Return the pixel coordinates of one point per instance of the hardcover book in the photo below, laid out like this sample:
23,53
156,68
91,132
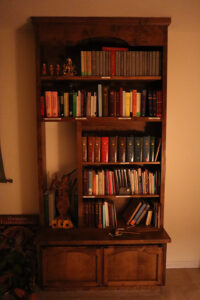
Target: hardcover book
104,149
91,142
122,149
97,149
113,149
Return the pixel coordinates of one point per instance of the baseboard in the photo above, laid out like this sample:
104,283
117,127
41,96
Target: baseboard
183,264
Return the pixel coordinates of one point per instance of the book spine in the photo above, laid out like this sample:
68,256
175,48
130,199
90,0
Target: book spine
91,141
113,149
130,148
97,149
104,149
122,149
84,148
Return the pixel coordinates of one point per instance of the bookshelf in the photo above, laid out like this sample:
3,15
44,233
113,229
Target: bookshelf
122,100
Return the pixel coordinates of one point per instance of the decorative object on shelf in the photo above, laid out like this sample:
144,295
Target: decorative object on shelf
44,69
57,69
68,68
62,202
51,70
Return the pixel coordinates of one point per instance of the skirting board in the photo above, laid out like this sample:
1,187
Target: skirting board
183,264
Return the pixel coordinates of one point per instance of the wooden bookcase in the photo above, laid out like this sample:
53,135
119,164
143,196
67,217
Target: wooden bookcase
86,256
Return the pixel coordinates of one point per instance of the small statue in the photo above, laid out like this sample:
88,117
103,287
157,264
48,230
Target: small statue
68,68
62,202
44,69
57,69
51,70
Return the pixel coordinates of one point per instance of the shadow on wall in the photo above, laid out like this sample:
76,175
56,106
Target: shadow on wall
26,114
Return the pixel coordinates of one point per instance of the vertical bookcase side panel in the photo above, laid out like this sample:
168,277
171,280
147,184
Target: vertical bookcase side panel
41,149
164,116
79,172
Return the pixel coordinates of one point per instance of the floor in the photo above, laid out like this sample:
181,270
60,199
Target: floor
181,284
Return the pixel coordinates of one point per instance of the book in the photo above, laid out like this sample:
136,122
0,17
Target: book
104,149
121,148
66,104
149,217
100,100
97,149
131,210
146,148
152,149
157,150
91,142
48,104
138,213
138,148
113,148
112,103
130,149
84,148
105,102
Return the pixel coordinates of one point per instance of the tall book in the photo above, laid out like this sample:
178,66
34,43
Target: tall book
122,149
113,148
138,142
97,149
130,149
91,141
100,100
84,148
105,102
146,149
104,149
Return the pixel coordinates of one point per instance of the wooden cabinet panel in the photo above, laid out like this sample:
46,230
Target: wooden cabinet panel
127,266
71,266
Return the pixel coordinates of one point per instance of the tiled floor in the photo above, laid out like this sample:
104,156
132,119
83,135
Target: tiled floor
181,284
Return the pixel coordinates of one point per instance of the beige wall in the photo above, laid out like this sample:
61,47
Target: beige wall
17,109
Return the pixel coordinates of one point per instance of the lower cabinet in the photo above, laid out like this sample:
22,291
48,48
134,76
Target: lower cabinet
128,266
92,266
71,266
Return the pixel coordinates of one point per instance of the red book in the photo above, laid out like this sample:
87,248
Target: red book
104,149
91,141
134,102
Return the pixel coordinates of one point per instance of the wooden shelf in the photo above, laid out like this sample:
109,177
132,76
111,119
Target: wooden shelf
100,78
122,196
85,164
101,120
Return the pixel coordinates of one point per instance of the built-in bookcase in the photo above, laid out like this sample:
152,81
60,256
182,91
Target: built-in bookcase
105,117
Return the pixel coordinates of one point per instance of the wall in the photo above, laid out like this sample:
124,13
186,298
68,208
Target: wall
17,109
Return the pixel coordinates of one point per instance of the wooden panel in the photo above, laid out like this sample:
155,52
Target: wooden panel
134,31
128,266
71,266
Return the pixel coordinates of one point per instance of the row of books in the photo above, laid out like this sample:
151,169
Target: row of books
111,61
140,211
103,102
119,181
120,149
100,213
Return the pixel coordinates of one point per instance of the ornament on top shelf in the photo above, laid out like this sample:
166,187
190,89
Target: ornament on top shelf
68,68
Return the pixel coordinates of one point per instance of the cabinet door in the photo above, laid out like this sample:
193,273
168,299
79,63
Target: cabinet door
71,266
134,265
